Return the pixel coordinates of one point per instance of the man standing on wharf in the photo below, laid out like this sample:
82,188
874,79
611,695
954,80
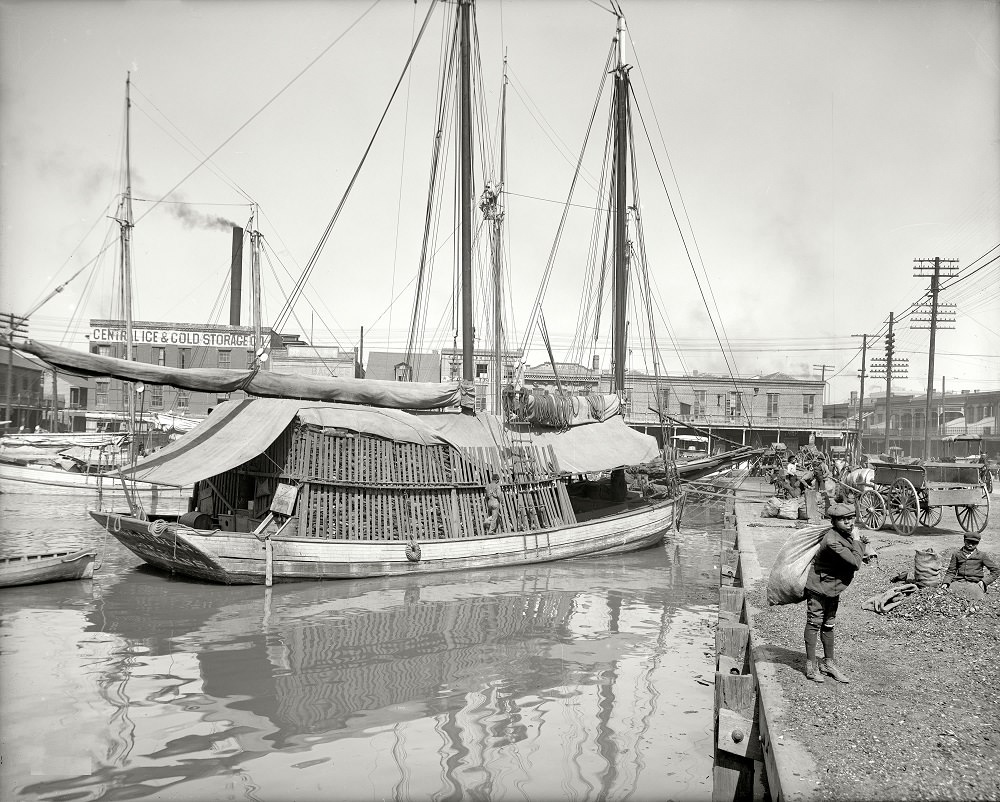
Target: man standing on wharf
833,568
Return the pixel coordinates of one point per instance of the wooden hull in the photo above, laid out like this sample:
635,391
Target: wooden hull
48,481
241,558
35,568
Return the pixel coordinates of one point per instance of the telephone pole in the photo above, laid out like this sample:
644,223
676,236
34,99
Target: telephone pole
823,377
889,368
933,317
14,325
861,400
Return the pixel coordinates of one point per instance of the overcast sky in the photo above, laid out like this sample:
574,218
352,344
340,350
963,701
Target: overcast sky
814,150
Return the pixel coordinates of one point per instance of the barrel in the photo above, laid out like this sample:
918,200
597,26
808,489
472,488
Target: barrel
196,520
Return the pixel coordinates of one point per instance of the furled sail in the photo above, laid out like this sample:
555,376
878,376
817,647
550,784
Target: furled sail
266,384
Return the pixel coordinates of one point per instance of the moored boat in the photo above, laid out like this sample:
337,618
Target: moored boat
288,490
51,566
50,480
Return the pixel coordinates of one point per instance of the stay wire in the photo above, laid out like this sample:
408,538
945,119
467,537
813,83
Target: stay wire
311,264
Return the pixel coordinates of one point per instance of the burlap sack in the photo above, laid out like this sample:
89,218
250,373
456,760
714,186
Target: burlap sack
927,570
786,584
771,508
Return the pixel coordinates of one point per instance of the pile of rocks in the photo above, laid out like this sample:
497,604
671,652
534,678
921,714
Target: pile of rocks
917,721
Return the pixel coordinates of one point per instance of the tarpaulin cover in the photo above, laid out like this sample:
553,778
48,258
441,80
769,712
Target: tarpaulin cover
237,431
266,384
392,424
586,448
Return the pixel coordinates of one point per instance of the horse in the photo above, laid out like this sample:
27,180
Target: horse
857,480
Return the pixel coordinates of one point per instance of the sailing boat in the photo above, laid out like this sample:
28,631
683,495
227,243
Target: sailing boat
327,478
86,463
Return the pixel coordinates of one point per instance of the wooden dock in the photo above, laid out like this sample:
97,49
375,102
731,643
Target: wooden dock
754,758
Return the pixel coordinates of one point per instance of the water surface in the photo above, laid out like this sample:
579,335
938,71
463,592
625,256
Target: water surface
575,680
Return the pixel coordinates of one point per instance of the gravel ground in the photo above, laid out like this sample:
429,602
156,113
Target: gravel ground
919,719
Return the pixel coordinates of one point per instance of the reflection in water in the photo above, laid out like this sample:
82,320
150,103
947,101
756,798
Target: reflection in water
572,680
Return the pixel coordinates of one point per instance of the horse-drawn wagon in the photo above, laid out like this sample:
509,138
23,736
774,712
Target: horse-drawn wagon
908,495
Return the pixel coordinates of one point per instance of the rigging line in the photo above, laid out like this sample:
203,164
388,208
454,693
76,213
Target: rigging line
673,173
435,197
607,10
562,222
268,252
547,129
730,365
311,264
194,150
402,171
591,297
266,242
39,304
274,97
553,200
185,203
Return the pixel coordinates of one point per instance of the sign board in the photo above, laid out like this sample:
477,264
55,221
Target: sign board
168,336
283,502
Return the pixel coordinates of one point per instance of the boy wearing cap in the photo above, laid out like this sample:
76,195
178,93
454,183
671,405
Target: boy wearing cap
838,559
968,569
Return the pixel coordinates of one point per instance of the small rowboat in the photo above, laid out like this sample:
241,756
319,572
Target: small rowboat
30,569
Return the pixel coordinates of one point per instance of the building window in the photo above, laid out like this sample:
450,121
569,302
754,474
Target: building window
104,350
735,408
156,394
772,405
808,404
665,399
700,402
402,372
480,397
481,370
250,355
102,394
225,359
183,398
159,355
184,357
453,370
718,401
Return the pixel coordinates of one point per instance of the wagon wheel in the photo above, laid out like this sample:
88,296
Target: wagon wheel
973,518
988,481
904,506
930,516
871,509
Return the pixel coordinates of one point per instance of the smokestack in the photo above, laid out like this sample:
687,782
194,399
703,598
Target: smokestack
236,278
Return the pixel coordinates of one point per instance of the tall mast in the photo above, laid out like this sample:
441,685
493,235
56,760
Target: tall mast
620,212
494,211
125,222
465,198
258,339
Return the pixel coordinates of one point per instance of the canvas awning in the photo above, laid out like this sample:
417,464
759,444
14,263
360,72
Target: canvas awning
235,432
